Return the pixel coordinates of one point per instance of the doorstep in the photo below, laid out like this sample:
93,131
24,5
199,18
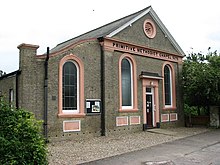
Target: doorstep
161,131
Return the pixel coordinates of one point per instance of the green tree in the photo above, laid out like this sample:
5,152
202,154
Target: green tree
214,60
201,80
20,139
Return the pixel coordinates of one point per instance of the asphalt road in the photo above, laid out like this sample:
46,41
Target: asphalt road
202,149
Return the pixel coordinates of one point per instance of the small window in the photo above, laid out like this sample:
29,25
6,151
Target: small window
11,96
148,90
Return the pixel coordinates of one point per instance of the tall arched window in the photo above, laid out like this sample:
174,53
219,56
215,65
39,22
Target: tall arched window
168,85
127,83
70,87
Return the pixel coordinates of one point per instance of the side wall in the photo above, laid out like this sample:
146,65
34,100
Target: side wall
90,125
7,84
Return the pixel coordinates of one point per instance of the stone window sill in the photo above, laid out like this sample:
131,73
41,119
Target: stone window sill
66,115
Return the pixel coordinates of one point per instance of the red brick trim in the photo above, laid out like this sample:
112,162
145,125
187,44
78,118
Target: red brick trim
133,63
173,106
81,87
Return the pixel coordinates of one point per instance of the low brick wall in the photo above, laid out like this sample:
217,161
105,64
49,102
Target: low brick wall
198,120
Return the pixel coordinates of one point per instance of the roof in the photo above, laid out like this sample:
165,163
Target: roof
111,29
99,32
17,72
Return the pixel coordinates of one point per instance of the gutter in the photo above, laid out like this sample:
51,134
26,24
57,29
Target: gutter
46,95
102,85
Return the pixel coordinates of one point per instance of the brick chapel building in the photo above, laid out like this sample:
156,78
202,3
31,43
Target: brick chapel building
122,77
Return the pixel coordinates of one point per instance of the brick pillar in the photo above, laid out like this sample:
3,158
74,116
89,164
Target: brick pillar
214,116
28,77
27,53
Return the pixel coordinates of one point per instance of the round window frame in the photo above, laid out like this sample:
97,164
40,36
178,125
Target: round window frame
153,34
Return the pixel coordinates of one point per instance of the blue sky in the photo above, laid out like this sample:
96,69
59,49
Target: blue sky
193,23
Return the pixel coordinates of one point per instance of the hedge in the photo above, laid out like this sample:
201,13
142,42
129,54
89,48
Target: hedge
21,141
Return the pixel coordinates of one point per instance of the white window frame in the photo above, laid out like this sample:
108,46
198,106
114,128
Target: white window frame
171,88
132,86
11,92
74,111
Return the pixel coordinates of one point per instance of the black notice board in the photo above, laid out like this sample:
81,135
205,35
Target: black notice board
93,106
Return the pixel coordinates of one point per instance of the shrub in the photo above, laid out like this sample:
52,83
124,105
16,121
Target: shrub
20,139
190,110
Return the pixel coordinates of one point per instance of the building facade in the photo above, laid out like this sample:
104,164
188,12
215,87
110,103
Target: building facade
123,77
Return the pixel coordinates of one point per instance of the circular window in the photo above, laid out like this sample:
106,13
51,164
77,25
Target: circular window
149,28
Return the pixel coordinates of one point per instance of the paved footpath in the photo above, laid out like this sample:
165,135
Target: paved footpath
201,149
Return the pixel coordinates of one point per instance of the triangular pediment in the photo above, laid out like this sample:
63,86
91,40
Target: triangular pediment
149,13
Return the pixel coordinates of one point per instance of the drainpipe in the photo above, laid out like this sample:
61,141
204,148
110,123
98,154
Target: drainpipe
219,117
102,85
46,94
16,91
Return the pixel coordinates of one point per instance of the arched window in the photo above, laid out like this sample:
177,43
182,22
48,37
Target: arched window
168,85
126,83
70,87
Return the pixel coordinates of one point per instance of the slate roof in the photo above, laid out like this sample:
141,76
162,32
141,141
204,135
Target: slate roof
17,72
99,32
114,27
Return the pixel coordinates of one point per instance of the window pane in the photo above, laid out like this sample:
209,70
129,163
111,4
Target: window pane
71,79
148,90
167,85
69,86
126,82
71,101
66,80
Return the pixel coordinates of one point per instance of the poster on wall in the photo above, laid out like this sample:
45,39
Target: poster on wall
93,106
